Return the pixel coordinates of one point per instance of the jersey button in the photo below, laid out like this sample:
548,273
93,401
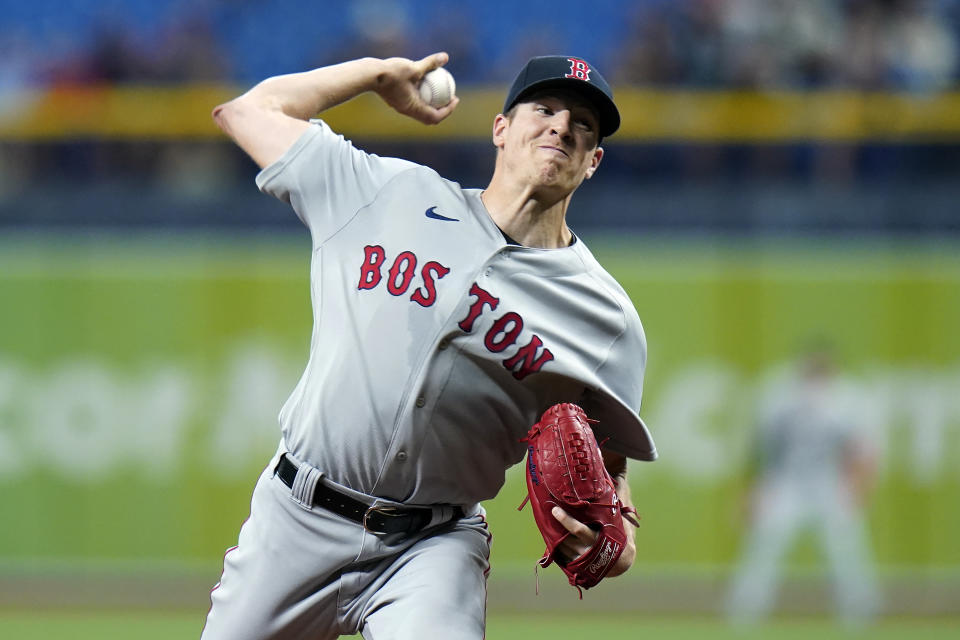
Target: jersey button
401,456
443,344
421,401
488,271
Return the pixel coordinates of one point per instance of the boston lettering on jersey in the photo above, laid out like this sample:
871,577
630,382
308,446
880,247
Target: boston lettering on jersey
401,274
504,330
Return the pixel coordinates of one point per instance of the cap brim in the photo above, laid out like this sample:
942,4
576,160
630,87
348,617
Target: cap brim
606,110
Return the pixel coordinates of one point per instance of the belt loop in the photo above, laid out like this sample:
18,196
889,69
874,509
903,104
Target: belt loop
439,514
304,485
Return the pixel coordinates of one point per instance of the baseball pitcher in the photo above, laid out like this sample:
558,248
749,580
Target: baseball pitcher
446,322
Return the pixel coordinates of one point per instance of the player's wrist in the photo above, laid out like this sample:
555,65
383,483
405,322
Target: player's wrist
388,73
626,559
369,73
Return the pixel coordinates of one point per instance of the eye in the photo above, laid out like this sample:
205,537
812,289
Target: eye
544,110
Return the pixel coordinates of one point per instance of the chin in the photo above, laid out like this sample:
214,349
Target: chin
556,180
550,174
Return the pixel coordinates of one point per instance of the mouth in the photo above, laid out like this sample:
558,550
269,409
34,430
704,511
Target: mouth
556,150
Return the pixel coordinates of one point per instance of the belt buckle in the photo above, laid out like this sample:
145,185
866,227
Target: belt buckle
390,512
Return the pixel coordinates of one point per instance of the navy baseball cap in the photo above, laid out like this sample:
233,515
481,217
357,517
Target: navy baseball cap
568,72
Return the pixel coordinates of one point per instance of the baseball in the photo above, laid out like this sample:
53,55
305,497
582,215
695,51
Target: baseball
437,87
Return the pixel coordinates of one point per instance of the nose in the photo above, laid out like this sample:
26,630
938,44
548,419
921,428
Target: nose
560,124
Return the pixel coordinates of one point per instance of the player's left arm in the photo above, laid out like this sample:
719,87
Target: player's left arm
583,536
860,469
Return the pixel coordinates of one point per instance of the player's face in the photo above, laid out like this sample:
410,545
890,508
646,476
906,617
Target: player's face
550,140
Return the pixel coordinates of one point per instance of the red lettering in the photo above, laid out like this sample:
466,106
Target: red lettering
430,270
483,298
528,360
409,262
373,257
579,69
500,326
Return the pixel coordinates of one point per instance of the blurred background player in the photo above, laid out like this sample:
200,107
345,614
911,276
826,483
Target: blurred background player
814,468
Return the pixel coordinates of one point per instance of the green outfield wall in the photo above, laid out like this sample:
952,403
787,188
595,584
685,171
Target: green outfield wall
140,382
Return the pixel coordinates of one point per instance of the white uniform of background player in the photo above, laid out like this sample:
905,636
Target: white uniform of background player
437,342
815,462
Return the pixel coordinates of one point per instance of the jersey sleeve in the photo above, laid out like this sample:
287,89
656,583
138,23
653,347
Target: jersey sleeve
326,179
616,402
623,368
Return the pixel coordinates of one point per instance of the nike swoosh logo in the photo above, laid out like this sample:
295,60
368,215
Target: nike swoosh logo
436,216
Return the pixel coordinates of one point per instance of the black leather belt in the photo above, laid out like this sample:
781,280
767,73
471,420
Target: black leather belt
376,519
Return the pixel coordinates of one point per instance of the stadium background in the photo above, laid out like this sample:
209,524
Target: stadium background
785,171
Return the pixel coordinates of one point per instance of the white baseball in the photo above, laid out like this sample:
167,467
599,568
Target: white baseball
437,87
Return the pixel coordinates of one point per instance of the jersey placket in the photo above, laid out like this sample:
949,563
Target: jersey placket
419,400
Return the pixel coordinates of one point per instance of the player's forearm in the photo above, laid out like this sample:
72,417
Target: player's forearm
629,554
304,95
623,492
860,471
268,118
617,467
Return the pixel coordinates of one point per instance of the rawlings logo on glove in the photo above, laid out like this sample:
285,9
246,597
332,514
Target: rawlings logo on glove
565,469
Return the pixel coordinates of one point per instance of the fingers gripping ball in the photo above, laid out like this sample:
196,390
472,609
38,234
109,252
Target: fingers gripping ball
437,87
565,468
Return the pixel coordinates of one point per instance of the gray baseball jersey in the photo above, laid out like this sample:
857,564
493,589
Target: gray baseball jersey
436,342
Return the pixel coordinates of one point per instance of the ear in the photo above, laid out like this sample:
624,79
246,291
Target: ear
500,125
594,162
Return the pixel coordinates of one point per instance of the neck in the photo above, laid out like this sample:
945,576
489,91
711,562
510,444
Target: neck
532,218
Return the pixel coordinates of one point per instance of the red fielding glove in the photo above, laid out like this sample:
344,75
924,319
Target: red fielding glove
565,469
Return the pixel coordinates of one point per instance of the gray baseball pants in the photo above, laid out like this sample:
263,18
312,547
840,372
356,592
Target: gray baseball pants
312,574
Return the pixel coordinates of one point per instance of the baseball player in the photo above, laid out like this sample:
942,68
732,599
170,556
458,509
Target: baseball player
815,465
445,321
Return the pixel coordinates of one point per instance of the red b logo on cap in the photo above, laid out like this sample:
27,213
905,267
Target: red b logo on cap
579,69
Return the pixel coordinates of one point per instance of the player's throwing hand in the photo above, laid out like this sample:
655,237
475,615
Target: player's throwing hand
398,86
